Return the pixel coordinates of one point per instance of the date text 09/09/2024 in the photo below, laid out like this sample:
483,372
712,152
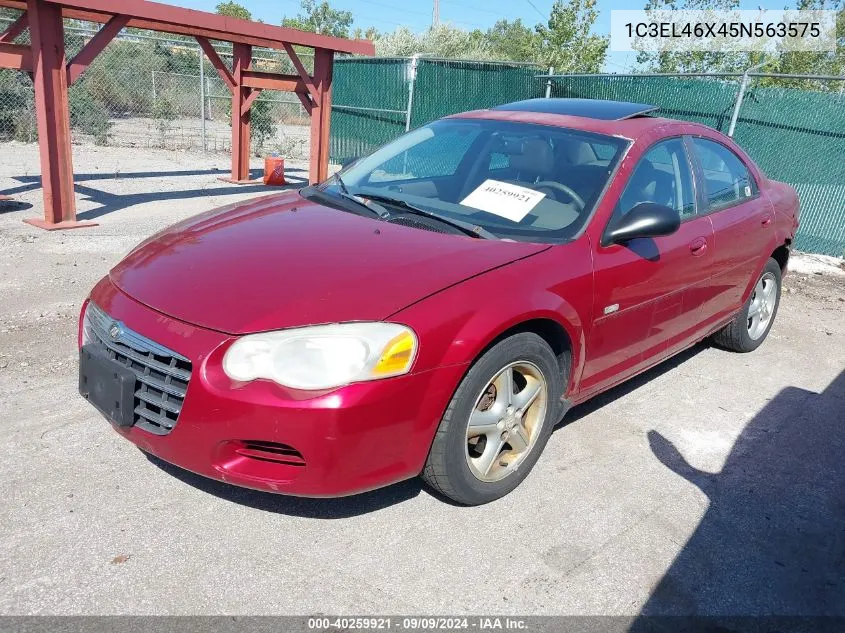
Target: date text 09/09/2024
479,623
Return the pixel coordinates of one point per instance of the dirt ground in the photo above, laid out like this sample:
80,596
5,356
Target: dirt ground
713,484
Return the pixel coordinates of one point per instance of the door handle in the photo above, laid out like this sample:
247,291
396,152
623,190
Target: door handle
766,221
698,247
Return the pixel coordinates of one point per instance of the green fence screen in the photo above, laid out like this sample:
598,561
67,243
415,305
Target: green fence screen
794,134
371,96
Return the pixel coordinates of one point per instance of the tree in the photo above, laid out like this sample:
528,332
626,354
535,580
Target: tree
513,41
782,61
371,34
321,18
233,10
814,62
443,40
566,41
695,61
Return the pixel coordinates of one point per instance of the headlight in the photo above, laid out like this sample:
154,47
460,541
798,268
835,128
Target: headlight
323,356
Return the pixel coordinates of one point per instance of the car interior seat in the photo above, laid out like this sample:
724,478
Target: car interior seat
535,163
649,184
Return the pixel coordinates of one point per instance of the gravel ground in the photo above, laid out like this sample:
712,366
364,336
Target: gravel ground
713,484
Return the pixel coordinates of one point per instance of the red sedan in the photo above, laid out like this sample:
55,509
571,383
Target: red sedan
437,306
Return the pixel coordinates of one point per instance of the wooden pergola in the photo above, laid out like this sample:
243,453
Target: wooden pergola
45,60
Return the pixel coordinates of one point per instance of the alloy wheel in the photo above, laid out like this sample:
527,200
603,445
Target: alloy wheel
506,421
762,306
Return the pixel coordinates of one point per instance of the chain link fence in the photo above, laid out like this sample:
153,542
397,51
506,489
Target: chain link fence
152,91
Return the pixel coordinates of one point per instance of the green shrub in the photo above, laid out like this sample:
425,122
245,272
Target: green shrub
88,115
121,77
262,125
17,113
164,113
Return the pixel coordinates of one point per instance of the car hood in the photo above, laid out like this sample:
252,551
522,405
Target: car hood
282,261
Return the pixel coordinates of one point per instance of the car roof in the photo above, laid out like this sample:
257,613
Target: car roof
635,123
590,108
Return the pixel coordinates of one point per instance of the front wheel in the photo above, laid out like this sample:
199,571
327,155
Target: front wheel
751,326
498,421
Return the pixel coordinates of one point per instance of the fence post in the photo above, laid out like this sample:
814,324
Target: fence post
412,71
202,95
549,82
739,97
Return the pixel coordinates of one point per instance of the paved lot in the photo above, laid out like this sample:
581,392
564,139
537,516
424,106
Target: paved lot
713,484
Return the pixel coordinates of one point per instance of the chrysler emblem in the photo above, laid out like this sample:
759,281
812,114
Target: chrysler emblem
115,330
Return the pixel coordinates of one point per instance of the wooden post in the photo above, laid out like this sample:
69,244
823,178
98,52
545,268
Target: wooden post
53,116
321,115
242,59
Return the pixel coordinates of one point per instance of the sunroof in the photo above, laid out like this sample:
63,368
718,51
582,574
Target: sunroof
589,108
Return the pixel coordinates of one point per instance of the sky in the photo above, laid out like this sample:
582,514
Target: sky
386,15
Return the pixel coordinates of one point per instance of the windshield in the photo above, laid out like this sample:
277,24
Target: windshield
517,181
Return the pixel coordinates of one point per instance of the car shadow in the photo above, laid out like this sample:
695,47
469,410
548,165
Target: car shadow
312,508
771,545
344,507
603,399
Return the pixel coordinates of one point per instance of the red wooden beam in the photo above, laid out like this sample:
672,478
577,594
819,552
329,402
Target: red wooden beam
305,100
53,116
247,104
219,65
227,28
94,47
192,31
15,57
303,74
272,81
241,61
148,15
321,116
46,60
15,28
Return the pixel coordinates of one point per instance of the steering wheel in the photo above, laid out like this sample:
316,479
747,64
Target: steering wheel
549,184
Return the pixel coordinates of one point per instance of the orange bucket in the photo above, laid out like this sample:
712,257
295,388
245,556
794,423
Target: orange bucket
274,170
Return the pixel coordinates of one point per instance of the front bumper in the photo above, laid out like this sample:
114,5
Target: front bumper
334,443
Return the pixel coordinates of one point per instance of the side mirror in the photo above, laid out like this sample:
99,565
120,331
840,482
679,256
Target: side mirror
647,219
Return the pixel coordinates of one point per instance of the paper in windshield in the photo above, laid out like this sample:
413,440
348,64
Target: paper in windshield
504,199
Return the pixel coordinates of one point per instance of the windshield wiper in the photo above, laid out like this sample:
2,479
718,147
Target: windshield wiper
372,207
465,227
340,183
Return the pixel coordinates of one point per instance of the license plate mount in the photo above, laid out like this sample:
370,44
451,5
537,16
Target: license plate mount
107,385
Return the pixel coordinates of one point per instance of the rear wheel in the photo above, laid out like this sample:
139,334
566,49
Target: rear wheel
498,421
751,326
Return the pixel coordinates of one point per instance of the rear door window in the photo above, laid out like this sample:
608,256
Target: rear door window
726,178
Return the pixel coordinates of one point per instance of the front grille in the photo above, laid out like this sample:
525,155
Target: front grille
162,374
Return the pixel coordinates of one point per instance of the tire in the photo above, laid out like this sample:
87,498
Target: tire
457,463
739,335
